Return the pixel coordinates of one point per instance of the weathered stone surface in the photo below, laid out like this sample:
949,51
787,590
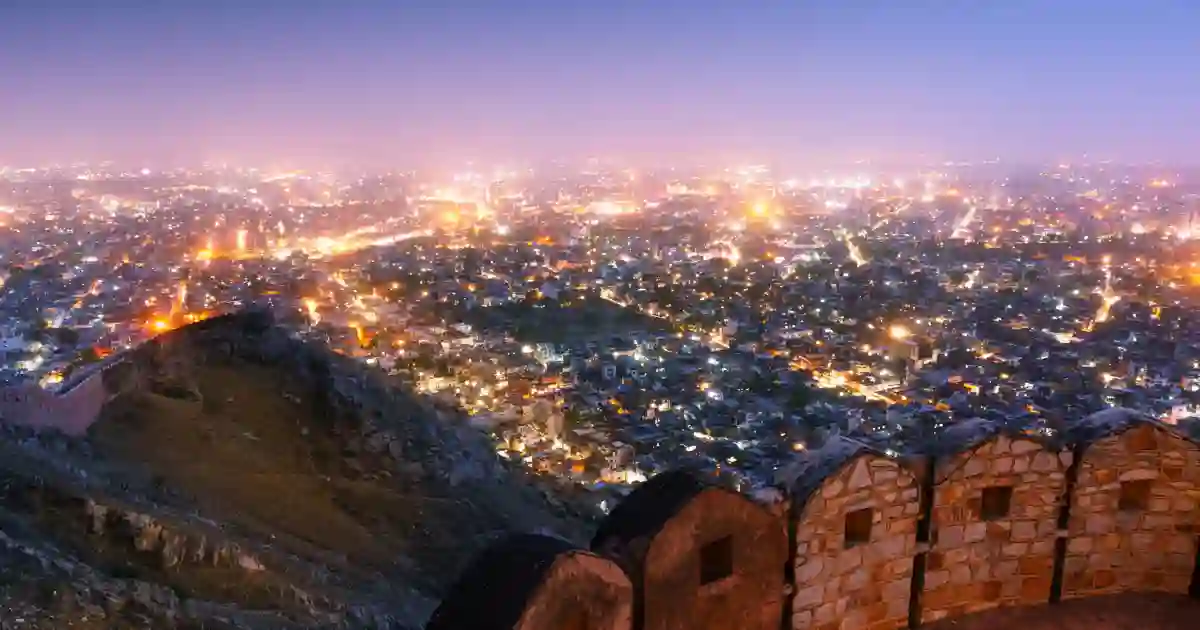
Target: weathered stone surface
665,563
867,584
973,549
562,587
1150,548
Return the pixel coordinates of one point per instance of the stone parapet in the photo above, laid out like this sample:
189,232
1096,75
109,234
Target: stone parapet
855,543
984,518
994,526
1135,514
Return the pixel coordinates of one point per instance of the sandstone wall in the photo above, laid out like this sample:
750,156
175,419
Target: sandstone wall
854,573
998,549
537,582
581,591
749,598
847,586
1145,543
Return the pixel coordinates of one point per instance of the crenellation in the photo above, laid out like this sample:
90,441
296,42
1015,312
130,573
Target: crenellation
1130,496
870,579
1153,543
981,519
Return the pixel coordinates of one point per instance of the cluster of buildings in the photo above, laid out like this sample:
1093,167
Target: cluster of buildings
605,324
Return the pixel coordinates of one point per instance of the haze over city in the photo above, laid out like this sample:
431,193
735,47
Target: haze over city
656,315
396,83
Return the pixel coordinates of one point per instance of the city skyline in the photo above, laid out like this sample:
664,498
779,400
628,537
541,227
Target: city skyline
798,84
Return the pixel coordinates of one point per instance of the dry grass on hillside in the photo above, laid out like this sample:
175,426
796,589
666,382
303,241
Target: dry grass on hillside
250,456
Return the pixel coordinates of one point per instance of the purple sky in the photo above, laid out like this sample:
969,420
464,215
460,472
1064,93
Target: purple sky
402,82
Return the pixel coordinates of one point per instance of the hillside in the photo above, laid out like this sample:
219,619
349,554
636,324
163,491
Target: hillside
259,481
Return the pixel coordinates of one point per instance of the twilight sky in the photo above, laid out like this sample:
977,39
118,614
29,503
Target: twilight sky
801,82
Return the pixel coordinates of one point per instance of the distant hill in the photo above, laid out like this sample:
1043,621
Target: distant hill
240,477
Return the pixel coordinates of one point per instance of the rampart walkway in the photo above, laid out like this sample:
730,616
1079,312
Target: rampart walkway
1133,611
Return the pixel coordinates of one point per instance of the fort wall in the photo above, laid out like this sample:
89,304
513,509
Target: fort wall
879,542
994,526
71,410
1134,515
855,544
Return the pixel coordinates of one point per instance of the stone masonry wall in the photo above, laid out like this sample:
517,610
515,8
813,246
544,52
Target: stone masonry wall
1139,548
865,585
750,597
987,556
857,573
580,592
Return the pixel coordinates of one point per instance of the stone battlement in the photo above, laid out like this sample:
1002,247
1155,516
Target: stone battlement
982,518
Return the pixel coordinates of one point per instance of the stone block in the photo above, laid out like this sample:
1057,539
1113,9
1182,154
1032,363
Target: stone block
877,612
1032,564
808,597
854,620
809,570
956,555
1159,521
1138,473
1044,462
833,488
897,589
950,536
1035,589
1024,531
934,579
1142,541
1015,550
857,579
860,476
974,467
825,613
960,574
1021,447
1180,562
849,560
1181,543
1099,524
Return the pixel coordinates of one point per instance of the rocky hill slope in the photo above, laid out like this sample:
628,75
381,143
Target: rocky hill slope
240,477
